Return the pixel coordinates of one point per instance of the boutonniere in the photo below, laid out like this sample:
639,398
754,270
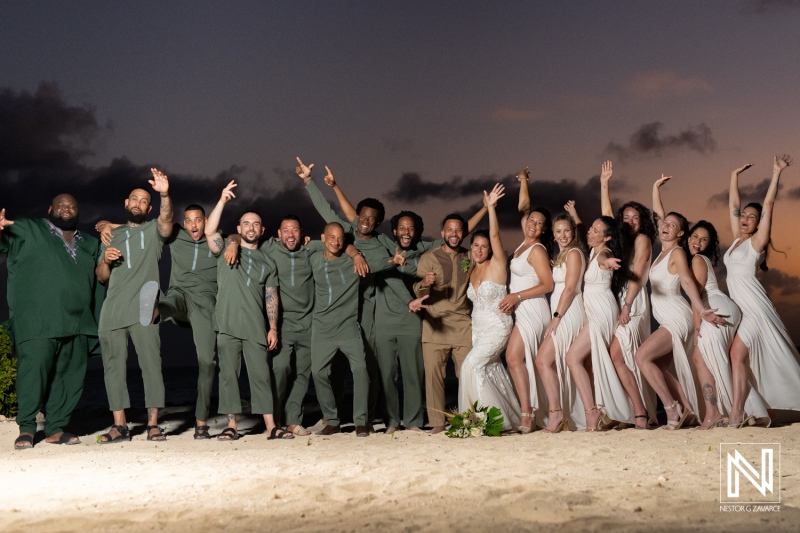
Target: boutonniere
463,266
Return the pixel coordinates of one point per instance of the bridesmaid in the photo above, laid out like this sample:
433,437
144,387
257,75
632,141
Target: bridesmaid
711,344
762,341
669,273
566,303
531,280
601,289
638,234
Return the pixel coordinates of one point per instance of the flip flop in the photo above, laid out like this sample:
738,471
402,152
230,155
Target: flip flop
279,434
27,439
148,296
66,438
228,435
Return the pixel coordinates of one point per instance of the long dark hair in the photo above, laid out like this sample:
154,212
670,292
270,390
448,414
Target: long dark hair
712,250
627,239
620,276
763,266
546,237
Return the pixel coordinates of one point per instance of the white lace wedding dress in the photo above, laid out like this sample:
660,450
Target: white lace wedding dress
483,377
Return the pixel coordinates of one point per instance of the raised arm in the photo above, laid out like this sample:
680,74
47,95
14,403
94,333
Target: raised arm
213,236
160,184
320,203
490,202
658,206
347,208
760,240
580,229
4,221
734,202
524,204
606,171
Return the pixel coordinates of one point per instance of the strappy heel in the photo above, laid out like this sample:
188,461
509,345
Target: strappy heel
646,417
603,422
525,429
563,426
676,424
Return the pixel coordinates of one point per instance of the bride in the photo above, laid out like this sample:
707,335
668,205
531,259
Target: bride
483,377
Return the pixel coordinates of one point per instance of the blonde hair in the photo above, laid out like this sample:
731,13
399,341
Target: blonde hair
561,258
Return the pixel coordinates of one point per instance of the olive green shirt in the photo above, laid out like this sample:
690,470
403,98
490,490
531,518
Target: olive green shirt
193,268
50,294
296,284
141,248
240,296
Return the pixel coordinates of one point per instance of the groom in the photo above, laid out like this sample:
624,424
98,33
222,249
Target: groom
443,275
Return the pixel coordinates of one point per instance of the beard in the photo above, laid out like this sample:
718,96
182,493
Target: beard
456,247
136,219
64,224
254,240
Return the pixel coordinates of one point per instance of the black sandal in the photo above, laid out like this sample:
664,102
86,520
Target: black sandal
647,421
157,437
26,439
279,434
201,433
124,434
66,438
228,435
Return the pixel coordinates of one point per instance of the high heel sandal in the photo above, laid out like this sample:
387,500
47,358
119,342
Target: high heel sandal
746,421
603,421
763,422
563,426
676,424
525,429
646,417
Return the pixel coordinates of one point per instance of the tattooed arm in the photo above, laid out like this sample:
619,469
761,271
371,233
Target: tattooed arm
160,184
271,300
213,236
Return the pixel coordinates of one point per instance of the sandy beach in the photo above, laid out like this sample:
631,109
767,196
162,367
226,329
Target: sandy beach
622,480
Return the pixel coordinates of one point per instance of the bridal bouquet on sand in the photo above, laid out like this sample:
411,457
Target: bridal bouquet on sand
476,421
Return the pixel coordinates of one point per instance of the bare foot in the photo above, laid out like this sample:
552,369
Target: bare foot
436,429
414,428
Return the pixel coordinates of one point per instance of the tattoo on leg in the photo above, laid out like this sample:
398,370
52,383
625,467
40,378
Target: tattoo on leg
709,395
152,412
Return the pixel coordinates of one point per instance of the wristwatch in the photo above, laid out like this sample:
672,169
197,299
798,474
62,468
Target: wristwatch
556,315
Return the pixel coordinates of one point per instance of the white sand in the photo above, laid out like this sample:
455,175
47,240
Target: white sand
616,481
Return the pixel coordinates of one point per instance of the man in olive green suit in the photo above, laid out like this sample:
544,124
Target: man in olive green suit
54,304
130,261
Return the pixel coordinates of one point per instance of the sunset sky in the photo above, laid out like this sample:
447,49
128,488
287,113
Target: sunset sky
420,104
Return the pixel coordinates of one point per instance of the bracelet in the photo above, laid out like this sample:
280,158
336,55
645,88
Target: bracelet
625,304
164,195
273,329
519,297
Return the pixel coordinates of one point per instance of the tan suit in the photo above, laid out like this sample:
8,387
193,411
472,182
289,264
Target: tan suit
446,325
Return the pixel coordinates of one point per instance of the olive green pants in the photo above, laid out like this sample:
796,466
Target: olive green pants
114,345
407,349
230,366
291,367
323,350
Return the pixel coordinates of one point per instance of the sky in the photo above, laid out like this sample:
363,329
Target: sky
420,104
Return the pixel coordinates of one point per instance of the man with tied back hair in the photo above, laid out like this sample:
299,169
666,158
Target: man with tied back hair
54,304
443,276
126,264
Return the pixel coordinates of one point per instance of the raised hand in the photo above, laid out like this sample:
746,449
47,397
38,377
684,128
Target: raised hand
417,305
779,163
160,182
4,221
606,172
399,258
569,207
227,193
302,170
662,180
330,181
490,200
524,174
743,168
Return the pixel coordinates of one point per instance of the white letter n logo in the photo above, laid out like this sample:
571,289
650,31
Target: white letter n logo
738,464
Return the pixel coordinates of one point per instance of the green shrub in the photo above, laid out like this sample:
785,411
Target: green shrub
8,376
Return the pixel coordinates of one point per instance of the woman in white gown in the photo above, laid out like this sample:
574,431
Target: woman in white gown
566,303
531,280
711,344
762,348
638,234
483,377
669,273
592,343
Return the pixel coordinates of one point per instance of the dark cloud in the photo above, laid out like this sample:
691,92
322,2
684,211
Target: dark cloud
748,193
760,7
411,188
648,141
779,283
794,194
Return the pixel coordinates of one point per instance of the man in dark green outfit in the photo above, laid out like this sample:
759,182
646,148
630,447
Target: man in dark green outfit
243,292
53,324
127,264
